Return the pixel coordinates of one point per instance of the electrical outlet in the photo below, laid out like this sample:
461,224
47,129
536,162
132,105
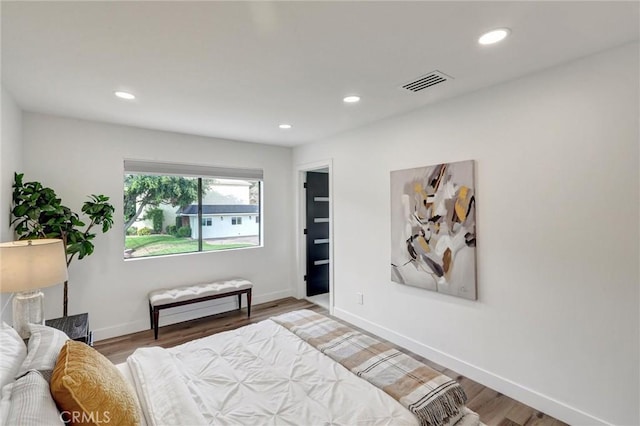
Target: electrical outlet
360,298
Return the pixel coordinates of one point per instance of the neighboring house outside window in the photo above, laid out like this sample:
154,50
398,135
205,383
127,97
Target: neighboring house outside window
233,220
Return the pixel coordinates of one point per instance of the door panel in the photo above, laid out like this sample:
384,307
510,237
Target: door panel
317,202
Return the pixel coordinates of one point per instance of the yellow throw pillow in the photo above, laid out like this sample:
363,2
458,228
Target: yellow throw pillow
89,389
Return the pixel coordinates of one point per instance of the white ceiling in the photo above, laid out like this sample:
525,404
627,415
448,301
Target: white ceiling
236,70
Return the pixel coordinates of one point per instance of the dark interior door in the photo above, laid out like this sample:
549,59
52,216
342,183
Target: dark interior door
317,233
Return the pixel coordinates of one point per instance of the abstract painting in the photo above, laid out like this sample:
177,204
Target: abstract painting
433,228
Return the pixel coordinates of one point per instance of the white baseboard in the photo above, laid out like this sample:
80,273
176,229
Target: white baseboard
119,329
186,313
503,385
268,297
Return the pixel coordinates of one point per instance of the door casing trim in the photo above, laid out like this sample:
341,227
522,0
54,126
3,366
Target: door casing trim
300,223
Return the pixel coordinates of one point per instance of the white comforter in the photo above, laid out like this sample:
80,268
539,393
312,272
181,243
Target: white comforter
260,374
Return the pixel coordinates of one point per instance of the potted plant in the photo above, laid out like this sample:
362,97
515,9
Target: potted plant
37,212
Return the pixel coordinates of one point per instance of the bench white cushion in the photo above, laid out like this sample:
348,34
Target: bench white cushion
190,292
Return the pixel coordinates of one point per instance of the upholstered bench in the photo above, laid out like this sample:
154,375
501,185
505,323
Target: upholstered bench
185,295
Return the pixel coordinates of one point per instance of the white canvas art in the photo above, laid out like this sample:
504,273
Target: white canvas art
433,228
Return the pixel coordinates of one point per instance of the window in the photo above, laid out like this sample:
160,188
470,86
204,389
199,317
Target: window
191,198
258,219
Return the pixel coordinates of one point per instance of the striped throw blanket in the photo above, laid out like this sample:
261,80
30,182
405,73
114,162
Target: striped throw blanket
434,398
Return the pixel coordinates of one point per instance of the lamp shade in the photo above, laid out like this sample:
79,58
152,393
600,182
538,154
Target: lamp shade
31,264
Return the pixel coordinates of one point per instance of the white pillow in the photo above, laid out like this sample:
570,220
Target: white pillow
5,402
44,346
31,402
12,353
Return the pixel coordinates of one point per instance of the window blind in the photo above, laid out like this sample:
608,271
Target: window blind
191,170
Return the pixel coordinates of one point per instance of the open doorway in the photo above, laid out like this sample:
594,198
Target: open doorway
315,243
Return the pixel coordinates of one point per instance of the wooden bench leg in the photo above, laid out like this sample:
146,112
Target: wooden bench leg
248,303
151,316
240,301
156,317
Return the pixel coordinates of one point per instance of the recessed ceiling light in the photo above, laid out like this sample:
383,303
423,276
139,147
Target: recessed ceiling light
494,36
351,99
125,95
285,126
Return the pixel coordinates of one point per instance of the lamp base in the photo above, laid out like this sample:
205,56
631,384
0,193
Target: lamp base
28,307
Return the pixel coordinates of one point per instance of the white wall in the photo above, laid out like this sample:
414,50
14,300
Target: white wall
223,227
77,158
10,162
10,158
556,323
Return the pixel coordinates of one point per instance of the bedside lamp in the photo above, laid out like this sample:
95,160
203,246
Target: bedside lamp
25,267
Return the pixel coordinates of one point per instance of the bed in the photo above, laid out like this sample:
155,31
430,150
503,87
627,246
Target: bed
274,372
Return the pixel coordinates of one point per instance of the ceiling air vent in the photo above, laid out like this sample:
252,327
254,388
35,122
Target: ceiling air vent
425,81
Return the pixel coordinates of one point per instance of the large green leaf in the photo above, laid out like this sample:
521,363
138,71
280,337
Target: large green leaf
37,211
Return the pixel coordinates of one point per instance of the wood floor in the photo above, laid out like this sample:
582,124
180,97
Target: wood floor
493,407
